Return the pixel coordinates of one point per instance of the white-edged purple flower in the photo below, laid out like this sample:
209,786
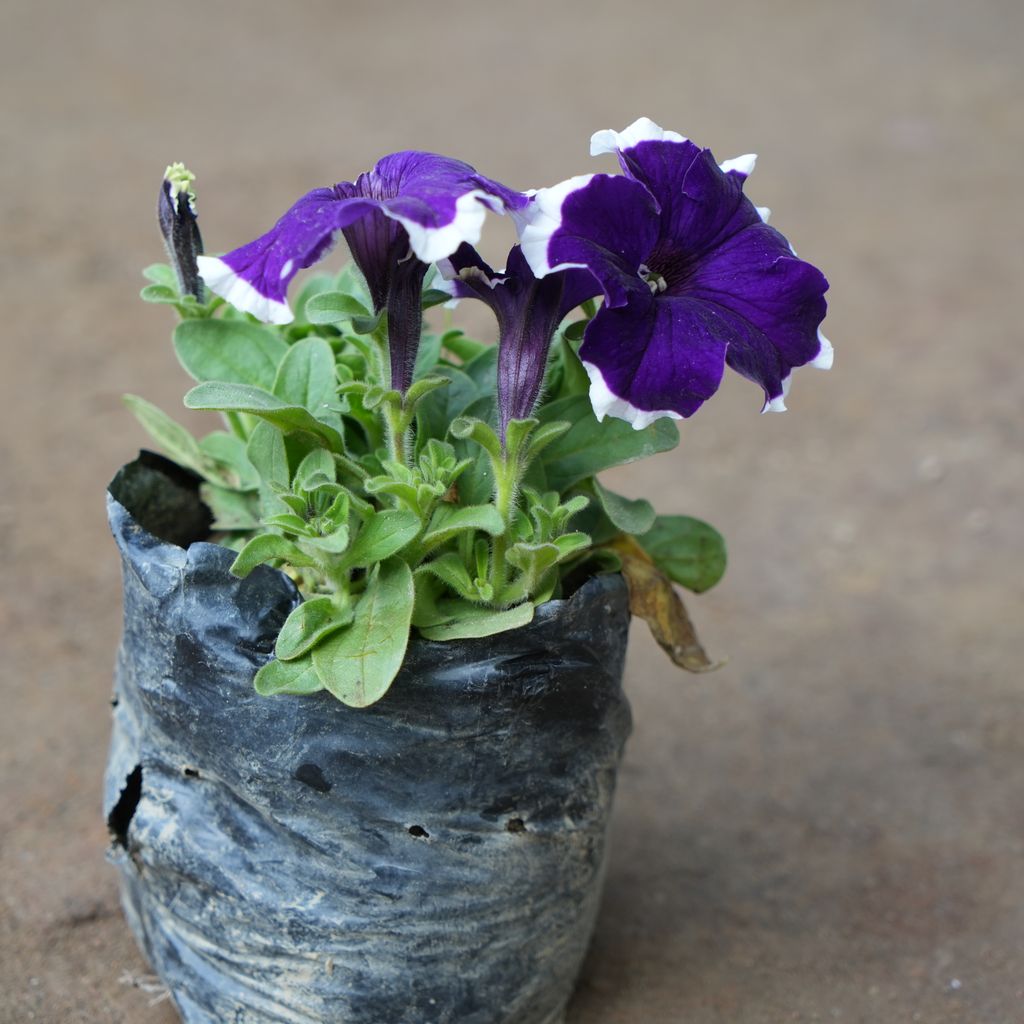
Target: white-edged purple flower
413,208
528,309
693,277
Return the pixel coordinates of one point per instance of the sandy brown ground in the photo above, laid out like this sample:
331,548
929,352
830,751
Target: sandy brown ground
830,828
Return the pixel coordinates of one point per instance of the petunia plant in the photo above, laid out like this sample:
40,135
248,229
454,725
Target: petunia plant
413,480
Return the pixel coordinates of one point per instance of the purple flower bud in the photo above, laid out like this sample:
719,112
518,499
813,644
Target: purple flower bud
176,211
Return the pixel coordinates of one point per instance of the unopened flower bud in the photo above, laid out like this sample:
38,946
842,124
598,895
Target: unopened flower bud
177,214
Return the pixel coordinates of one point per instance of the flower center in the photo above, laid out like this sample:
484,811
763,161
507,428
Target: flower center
655,281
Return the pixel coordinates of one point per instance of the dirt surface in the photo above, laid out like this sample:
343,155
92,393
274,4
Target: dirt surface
829,828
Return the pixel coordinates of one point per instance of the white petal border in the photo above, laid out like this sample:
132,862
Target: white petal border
225,282
541,218
643,129
606,403
433,244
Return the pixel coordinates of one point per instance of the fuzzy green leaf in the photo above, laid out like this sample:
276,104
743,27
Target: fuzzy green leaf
383,535
687,550
162,274
172,438
330,307
298,678
314,620
449,522
359,663
318,465
160,293
589,447
230,451
268,547
631,515
477,622
440,407
233,351
450,571
305,376
221,397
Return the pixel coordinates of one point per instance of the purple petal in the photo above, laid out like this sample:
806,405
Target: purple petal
780,297
656,357
255,277
600,222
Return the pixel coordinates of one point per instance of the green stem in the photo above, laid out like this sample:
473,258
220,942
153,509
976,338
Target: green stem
234,424
397,433
506,486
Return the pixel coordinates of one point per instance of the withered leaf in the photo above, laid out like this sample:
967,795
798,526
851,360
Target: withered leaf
653,598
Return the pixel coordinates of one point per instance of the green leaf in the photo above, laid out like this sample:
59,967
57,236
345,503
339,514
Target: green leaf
162,274
450,571
383,535
469,428
313,286
172,438
159,293
359,663
574,332
267,452
319,463
463,348
334,543
427,356
234,351
449,521
298,678
334,308
483,370
314,620
232,510
437,410
631,515
306,376
256,401
477,622
589,447
268,547
434,297
231,452
687,550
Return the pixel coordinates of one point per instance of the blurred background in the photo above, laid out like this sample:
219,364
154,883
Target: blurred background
831,827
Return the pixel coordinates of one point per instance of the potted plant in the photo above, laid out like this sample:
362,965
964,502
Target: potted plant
368,710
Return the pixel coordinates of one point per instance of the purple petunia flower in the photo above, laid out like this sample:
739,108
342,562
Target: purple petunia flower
693,277
412,209
528,310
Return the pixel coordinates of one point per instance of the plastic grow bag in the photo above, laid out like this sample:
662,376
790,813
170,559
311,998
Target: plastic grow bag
436,858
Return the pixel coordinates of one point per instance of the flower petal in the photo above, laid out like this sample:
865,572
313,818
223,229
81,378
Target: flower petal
655,357
643,129
600,222
781,298
255,277
439,201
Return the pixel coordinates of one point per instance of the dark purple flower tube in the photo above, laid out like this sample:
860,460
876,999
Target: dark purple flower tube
528,309
413,208
693,277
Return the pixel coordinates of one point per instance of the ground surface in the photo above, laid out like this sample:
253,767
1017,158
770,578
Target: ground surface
831,827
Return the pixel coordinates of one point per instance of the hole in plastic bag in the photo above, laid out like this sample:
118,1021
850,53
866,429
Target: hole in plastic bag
124,810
